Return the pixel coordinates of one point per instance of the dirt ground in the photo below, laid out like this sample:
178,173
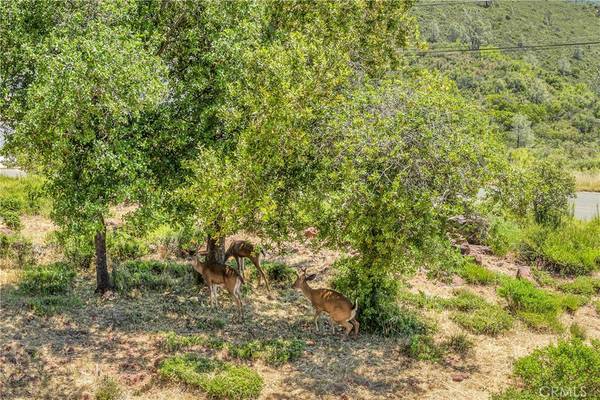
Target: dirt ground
65,356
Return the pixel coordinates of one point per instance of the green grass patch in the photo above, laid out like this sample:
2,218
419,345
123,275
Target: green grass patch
571,368
273,352
459,344
24,195
278,273
503,236
174,342
15,251
538,308
477,275
47,305
49,279
108,389
573,248
218,379
152,275
584,285
476,315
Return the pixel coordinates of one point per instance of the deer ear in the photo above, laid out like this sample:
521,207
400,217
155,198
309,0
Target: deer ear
310,277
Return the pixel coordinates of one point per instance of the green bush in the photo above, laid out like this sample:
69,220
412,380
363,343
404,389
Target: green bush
78,249
572,248
151,275
503,236
459,344
123,246
174,342
108,389
273,352
577,331
570,368
47,305
279,273
583,285
50,279
16,251
377,294
11,219
23,195
218,379
477,275
538,308
423,347
478,316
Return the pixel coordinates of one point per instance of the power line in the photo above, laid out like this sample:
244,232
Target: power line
534,47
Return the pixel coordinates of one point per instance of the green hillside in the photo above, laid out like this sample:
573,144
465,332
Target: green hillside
547,100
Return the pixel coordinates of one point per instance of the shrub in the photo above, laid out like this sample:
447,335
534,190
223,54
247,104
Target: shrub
217,378
123,246
23,195
584,285
151,275
78,250
538,308
108,389
273,352
459,344
477,275
377,295
16,251
503,236
50,279
173,341
577,331
570,366
572,248
47,305
422,347
478,316
11,219
279,273
597,306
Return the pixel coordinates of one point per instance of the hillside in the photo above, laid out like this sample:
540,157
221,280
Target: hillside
548,100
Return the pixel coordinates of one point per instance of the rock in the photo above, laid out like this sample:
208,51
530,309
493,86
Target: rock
457,281
86,396
524,272
464,248
477,259
459,377
311,232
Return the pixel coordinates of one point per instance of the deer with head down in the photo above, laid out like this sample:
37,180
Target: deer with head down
339,308
240,249
216,274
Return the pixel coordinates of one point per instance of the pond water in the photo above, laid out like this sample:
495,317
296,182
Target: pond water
586,205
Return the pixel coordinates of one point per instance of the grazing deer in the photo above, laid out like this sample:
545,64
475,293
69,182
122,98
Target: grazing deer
339,308
239,249
216,274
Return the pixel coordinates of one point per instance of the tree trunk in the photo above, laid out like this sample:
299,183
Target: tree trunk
215,249
102,278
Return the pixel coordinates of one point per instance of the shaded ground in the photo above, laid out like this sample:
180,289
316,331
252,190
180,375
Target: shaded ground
65,356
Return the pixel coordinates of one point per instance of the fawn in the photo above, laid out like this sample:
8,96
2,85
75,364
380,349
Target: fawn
339,308
216,274
239,249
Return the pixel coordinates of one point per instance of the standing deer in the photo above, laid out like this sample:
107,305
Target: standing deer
239,249
216,274
339,308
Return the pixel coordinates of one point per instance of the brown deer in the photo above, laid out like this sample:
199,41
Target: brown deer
339,308
240,249
216,274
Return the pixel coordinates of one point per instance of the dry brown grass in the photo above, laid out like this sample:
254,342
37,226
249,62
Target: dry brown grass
587,181
66,355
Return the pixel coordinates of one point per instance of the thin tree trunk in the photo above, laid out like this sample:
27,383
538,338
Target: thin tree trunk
102,278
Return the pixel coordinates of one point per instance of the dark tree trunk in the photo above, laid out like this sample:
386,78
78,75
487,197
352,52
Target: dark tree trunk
102,278
215,249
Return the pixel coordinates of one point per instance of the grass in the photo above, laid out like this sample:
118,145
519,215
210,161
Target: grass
477,275
24,195
152,275
570,368
459,344
219,379
570,249
47,305
108,389
478,316
503,236
278,273
50,279
15,251
584,285
538,308
587,181
274,352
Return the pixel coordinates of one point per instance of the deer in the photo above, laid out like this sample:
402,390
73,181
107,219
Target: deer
339,308
216,274
240,249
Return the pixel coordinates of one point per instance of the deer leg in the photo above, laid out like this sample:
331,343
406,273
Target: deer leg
256,262
317,313
356,325
347,325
